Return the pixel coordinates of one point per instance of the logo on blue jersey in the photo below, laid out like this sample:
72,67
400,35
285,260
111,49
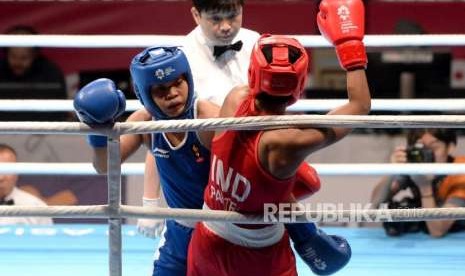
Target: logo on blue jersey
161,153
198,156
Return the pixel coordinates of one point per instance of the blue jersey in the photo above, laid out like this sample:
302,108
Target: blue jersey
183,170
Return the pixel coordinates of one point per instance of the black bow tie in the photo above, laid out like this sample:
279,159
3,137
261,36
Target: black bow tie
7,202
219,50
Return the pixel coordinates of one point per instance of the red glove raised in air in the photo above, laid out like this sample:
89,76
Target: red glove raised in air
342,22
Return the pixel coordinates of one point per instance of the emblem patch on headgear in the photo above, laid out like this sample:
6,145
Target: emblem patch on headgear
161,74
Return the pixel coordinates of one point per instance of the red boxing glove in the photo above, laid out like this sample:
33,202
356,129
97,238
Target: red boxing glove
307,182
342,22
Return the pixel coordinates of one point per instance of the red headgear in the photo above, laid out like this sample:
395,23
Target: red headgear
278,67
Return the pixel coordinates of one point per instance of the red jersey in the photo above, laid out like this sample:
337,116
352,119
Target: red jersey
237,181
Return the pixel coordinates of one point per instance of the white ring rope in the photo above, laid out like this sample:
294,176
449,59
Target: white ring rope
284,121
366,169
125,211
88,211
239,123
302,105
142,41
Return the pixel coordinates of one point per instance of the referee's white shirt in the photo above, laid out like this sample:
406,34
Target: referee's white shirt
22,198
214,78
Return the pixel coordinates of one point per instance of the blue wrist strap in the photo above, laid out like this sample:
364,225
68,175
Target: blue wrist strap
97,141
301,232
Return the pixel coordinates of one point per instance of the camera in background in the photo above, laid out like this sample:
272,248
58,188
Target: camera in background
418,153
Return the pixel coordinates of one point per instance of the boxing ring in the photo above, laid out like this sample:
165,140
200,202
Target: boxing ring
117,249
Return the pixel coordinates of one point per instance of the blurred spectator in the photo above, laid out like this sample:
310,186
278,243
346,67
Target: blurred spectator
26,74
424,191
11,195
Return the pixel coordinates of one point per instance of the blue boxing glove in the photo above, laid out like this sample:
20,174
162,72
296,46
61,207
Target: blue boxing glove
99,103
324,254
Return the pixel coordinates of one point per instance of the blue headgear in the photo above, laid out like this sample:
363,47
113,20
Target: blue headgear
158,65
